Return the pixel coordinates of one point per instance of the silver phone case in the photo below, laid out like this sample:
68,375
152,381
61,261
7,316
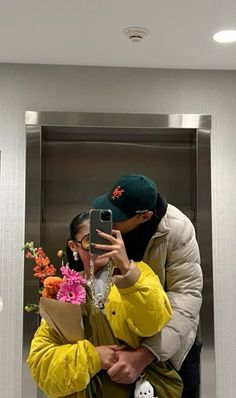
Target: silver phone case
96,222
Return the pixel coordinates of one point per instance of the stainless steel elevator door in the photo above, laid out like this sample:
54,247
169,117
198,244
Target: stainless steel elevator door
75,172
73,156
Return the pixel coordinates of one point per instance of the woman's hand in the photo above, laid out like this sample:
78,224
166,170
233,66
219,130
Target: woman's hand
108,355
130,365
115,250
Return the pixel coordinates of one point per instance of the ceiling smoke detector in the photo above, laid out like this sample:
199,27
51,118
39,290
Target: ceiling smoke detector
136,33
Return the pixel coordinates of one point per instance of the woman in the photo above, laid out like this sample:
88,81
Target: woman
136,306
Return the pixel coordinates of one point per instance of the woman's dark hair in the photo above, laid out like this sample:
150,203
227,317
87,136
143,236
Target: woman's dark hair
75,227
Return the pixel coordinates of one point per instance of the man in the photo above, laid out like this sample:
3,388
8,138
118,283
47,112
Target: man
164,238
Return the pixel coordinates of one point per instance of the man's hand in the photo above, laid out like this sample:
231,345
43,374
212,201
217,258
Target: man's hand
130,365
108,355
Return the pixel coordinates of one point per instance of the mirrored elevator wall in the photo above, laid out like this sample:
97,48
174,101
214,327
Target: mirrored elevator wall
73,165
74,171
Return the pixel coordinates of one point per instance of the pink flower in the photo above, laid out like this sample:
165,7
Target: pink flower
71,275
72,293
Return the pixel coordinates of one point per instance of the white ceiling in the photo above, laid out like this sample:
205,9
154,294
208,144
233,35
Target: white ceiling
89,32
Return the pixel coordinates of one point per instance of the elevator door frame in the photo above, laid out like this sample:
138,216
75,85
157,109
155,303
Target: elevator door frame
37,121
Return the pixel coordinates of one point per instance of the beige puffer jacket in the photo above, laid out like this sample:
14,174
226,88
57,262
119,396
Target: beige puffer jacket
173,254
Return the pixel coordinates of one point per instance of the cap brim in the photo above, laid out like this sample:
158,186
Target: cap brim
103,202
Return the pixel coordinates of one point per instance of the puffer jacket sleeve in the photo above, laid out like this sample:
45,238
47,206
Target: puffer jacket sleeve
58,369
145,304
183,285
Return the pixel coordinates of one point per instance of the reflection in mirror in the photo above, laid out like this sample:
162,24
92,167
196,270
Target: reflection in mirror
67,165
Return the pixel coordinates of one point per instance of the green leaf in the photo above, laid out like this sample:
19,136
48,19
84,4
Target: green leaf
31,307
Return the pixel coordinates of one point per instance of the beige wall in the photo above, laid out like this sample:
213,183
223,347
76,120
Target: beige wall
64,88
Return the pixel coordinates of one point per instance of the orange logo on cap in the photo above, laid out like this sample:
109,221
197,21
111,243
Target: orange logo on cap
117,193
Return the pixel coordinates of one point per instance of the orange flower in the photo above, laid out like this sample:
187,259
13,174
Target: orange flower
43,271
51,286
29,255
40,252
42,261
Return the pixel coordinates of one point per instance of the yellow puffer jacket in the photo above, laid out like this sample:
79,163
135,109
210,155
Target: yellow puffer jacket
137,306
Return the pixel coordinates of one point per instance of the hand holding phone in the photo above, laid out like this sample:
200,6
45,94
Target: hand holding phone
99,219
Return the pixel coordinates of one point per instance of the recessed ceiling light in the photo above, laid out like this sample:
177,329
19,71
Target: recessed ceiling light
136,33
225,36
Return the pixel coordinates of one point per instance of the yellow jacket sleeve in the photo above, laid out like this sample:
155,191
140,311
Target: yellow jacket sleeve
143,303
61,369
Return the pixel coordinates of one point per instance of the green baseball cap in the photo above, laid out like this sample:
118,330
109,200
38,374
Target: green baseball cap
130,195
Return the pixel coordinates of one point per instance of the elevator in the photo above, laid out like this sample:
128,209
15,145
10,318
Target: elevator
73,157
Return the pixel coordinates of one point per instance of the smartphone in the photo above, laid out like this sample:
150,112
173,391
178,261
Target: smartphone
99,219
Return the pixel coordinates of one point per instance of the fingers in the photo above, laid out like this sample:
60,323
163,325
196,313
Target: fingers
126,370
108,355
114,357
103,247
114,370
111,250
116,242
114,354
122,373
115,250
117,234
118,347
111,238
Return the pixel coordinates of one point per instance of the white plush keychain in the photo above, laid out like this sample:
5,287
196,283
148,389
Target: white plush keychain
143,388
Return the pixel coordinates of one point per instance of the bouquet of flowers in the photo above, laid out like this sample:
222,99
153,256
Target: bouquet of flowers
68,305
59,294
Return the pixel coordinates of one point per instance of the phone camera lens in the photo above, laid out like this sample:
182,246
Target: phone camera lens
105,215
